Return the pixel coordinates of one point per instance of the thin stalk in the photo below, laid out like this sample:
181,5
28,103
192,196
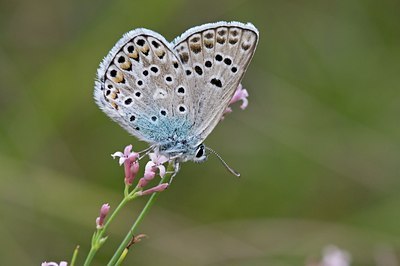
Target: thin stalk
139,219
100,233
74,256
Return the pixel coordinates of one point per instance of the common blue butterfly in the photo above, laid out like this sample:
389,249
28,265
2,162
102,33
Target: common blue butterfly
172,95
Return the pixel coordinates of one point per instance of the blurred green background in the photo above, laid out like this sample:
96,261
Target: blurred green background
318,147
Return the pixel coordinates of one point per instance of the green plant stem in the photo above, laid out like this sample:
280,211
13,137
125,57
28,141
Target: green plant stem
74,256
142,214
101,232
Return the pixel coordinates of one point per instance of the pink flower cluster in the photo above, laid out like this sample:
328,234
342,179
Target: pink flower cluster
241,94
130,161
155,166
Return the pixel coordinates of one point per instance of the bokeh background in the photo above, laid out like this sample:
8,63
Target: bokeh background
318,147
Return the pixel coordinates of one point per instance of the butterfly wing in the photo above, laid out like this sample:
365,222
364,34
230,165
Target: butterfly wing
215,57
141,84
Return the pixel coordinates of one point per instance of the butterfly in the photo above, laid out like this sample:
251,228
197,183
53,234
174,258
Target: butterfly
173,94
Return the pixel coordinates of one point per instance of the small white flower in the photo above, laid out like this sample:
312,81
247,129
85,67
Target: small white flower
334,256
62,263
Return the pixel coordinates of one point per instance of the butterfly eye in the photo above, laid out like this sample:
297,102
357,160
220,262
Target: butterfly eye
199,152
200,155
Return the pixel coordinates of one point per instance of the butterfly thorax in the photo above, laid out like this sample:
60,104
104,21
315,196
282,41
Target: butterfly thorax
176,142
177,148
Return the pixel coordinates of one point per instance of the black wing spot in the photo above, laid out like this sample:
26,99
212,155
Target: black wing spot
198,70
132,118
188,72
181,90
154,118
163,112
216,82
140,42
182,109
121,59
145,73
227,61
154,69
208,63
155,44
128,101
218,57
234,69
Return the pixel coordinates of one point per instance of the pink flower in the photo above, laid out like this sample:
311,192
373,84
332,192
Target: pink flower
240,95
127,154
130,161
156,162
62,263
148,175
105,208
131,170
159,188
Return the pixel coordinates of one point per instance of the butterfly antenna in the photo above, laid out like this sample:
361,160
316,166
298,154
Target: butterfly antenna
224,163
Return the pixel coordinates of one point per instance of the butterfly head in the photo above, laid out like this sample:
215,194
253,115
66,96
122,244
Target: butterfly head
195,153
200,154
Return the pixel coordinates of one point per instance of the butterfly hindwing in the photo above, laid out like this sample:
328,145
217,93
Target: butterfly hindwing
172,95
141,84
215,57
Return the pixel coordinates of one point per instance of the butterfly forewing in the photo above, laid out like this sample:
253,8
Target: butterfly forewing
141,85
215,57
172,95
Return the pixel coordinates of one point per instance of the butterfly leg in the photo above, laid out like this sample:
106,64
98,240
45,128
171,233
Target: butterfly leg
145,152
177,167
